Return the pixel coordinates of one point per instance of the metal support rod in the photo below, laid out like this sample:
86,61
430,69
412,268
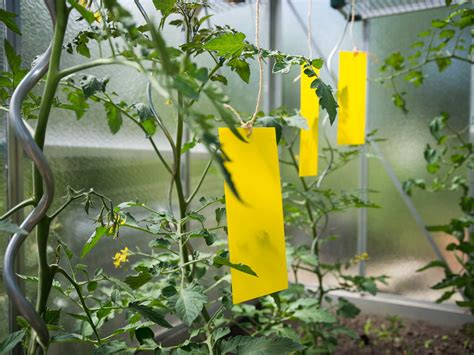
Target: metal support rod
364,171
22,305
275,86
14,176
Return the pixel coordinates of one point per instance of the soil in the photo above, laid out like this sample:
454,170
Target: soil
378,335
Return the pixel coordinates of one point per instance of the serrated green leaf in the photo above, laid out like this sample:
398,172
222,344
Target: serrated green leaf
260,345
114,117
227,45
8,18
326,98
189,303
136,281
85,13
221,261
150,313
165,6
78,103
297,121
93,240
11,340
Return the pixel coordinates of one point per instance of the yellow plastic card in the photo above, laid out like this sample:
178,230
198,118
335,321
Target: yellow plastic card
255,223
351,97
309,109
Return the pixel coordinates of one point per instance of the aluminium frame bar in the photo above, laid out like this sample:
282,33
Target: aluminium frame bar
14,171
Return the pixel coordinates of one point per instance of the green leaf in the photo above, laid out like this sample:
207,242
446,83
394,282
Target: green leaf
314,315
93,240
11,228
165,6
399,101
11,340
260,345
447,34
78,103
347,309
396,61
221,261
147,119
8,18
415,77
112,347
114,117
150,313
143,334
241,67
85,13
369,286
443,63
434,263
326,98
136,281
297,121
66,338
90,85
186,86
227,45
13,59
189,303
209,237
220,214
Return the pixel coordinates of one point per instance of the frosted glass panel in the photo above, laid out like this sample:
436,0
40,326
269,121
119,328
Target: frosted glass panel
396,246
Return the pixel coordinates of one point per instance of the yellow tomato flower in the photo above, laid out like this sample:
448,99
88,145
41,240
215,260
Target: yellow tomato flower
98,16
121,257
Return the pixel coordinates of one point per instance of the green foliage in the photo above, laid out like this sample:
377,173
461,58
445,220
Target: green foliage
449,158
190,302
442,44
8,20
10,341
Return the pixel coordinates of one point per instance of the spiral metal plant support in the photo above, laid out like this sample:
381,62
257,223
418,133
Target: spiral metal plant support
24,307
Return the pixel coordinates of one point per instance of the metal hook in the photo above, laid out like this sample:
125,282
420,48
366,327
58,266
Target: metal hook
24,307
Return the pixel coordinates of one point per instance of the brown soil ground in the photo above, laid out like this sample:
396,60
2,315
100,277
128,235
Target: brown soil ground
378,335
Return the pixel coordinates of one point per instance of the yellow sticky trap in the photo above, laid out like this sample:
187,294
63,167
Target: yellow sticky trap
255,223
351,97
309,109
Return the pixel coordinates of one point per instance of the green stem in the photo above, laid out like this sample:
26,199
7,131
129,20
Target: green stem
21,205
201,180
45,275
81,298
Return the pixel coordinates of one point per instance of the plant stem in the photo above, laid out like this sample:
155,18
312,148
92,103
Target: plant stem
81,298
201,180
21,205
45,275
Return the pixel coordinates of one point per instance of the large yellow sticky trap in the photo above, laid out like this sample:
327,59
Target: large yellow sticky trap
351,97
309,109
255,223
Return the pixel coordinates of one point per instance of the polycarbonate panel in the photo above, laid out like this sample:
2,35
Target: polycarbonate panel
396,245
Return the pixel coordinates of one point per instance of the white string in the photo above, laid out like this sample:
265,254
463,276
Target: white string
351,29
250,123
310,40
309,33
